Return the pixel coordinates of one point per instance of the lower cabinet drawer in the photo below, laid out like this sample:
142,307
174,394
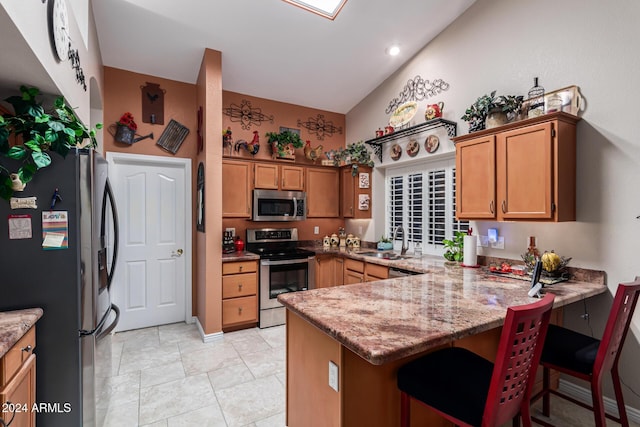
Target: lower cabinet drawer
239,310
239,285
354,265
12,360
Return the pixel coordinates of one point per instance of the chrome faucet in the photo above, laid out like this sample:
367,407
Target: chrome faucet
404,248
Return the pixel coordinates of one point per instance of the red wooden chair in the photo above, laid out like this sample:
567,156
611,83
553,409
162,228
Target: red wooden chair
587,358
473,392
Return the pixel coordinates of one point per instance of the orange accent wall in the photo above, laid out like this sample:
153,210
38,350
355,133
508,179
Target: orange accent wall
285,115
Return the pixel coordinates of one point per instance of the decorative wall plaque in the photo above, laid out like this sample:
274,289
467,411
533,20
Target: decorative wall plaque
320,127
152,104
417,89
200,199
173,136
246,114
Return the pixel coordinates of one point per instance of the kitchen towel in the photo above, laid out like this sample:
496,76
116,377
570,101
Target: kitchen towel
470,258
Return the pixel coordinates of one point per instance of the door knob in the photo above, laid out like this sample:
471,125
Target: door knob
177,253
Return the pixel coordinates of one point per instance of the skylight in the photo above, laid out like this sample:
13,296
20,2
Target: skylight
327,8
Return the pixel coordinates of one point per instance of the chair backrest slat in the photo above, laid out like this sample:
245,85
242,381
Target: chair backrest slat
624,304
517,359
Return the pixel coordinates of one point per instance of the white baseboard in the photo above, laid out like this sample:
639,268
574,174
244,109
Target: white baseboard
207,337
584,395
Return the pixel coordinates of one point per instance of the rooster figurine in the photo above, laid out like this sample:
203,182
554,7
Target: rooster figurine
312,153
254,145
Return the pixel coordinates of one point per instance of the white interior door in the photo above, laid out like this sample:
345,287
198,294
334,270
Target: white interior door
152,277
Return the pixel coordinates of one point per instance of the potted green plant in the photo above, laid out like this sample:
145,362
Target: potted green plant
31,133
384,244
354,154
491,110
283,144
454,248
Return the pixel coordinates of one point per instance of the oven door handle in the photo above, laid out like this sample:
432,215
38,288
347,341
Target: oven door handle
283,262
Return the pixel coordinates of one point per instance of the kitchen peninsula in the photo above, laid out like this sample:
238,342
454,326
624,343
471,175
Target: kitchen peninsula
369,330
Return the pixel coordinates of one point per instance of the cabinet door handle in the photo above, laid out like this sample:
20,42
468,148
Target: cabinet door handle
239,310
240,267
491,207
27,348
239,287
504,206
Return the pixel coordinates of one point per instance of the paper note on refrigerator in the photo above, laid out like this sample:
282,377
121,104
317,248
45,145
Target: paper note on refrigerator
55,230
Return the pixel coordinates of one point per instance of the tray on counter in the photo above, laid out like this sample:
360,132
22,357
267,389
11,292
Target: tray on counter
527,277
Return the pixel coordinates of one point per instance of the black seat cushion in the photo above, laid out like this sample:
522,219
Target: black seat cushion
453,380
569,349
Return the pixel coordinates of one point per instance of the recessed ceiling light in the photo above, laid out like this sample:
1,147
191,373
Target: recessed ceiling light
327,8
393,50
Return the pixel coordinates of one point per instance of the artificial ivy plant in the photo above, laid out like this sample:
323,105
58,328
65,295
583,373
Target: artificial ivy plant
354,154
33,132
282,140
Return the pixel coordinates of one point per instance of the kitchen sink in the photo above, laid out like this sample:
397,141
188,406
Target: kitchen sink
385,255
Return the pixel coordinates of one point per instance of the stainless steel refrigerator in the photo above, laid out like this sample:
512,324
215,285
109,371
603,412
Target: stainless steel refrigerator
66,270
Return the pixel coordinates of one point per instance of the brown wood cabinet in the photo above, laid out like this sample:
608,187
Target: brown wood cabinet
373,272
350,192
239,294
329,270
353,271
278,177
18,381
236,189
323,192
521,171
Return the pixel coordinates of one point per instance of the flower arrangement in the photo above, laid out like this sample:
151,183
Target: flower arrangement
127,120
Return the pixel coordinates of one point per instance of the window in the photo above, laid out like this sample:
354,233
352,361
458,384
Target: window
422,199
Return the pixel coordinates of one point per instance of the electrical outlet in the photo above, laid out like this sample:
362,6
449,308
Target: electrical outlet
316,230
499,244
333,375
483,241
231,229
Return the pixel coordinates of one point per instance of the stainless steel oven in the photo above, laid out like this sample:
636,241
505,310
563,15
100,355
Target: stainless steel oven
283,268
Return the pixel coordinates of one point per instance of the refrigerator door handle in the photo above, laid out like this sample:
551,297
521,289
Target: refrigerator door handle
108,196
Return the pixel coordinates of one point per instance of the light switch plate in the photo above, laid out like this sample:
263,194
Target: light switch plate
231,229
333,375
316,230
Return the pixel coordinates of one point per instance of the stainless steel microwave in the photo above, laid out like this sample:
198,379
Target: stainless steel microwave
274,205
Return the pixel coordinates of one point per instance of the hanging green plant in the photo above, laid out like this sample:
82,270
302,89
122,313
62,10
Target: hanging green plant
354,154
37,132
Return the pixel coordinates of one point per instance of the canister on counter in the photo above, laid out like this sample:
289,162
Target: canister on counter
326,242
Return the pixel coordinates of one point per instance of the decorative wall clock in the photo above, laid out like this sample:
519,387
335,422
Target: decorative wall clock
60,29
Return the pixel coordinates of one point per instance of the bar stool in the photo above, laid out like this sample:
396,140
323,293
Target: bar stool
587,358
473,392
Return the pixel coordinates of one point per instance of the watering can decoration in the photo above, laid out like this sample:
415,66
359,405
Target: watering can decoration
433,111
125,130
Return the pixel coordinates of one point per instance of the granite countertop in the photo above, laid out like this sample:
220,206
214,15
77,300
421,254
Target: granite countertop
391,319
239,256
14,324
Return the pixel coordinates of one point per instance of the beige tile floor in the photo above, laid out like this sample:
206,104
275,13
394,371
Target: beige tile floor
167,377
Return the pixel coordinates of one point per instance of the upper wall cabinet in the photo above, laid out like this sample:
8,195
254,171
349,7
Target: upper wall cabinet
323,199
523,171
278,177
236,189
355,193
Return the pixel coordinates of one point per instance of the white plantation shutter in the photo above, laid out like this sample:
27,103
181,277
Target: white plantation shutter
415,208
421,198
437,213
395,203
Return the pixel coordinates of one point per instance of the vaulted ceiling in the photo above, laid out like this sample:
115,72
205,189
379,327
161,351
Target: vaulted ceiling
271,49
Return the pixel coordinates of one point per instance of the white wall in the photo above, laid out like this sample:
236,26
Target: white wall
503,45
31,18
